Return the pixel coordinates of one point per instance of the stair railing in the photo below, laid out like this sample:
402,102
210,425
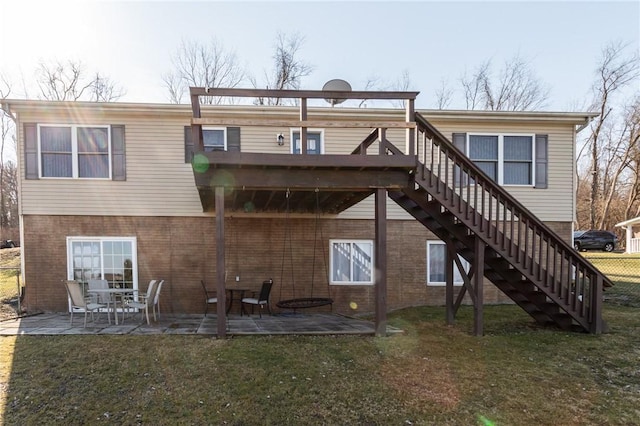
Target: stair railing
501,221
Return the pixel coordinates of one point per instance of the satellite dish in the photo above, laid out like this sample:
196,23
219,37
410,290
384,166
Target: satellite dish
336,85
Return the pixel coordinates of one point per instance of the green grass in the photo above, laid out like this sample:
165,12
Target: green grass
517,373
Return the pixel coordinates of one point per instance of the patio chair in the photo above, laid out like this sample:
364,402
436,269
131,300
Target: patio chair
209,297
145,300
262,300
104,298
156,300
78,300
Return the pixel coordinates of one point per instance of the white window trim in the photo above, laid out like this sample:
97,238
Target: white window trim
500,180
439,283
134,253
351,241
297,130
224,132
74,150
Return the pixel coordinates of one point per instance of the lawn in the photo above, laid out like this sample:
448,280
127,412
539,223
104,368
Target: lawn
624,271
9,291
517,373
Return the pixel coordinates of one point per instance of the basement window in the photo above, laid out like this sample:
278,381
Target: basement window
110,258
437,267
351,261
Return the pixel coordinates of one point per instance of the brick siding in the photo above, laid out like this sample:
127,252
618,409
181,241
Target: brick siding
182,251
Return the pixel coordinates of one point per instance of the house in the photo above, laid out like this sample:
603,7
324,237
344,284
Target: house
380,209
632,234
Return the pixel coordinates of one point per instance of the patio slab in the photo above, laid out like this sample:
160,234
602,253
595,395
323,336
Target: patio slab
284,324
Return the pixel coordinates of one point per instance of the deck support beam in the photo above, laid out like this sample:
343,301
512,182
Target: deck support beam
451,253
220,261
478,287
380,271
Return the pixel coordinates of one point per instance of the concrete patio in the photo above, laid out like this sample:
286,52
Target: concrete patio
283,324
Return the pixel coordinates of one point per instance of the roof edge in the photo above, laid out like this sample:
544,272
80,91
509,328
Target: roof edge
18,105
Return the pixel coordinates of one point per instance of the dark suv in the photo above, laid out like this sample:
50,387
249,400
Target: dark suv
594,240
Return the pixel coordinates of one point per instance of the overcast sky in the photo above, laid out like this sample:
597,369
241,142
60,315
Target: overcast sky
132,42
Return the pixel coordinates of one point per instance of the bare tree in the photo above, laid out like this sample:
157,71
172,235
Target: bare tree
401,84
7,192
374,82
103,89
618,159
516,88
288,69
202,65
9,207
68,82
473,85
615,71
443,95
633,195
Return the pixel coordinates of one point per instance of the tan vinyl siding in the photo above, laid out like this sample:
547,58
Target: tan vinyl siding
160,183
554,203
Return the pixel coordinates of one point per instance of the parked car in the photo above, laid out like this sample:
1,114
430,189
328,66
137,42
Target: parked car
594,240
7,244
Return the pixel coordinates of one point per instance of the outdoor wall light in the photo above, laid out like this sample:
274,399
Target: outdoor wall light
280,139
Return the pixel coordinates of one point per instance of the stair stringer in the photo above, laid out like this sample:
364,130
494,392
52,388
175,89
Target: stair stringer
543,305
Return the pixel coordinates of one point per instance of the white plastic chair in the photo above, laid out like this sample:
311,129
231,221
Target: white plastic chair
102,297
78,300
145,300
156,301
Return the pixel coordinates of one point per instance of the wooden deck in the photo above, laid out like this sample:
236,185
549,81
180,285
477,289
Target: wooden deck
445,191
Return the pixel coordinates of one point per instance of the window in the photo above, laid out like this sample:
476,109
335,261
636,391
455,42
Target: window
507,159
109,258
436,265
74,151
314,142
351,261
214,139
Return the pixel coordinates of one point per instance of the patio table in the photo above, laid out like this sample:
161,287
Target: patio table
113,295
232,296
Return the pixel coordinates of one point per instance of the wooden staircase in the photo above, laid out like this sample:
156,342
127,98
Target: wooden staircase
499,237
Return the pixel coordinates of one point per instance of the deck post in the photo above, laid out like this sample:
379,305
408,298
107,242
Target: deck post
220,260
303,129
596,305
411,132
450,311
382,138
478,287
196,129
380,271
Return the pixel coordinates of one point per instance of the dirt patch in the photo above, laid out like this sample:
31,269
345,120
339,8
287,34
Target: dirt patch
423,381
